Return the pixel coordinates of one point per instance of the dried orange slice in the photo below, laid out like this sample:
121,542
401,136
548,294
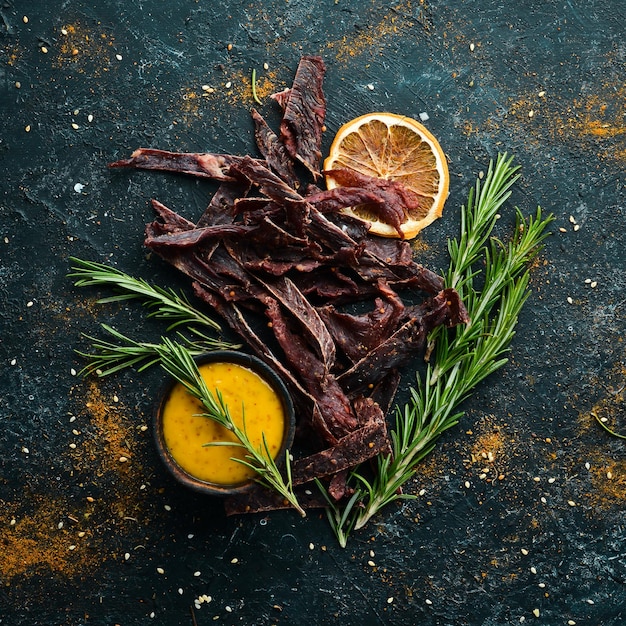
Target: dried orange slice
398,148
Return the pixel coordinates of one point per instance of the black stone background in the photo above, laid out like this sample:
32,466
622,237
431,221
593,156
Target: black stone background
456,555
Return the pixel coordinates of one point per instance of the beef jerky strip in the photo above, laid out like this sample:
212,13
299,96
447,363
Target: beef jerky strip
308,318
355,448
203,165
389,355
276,155
397,199
304,114
296,208
335,408
444,308
356,335
221,209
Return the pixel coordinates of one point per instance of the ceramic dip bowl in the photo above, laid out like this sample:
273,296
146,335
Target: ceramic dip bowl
250,389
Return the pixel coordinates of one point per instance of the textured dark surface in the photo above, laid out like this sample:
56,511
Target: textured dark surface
82,535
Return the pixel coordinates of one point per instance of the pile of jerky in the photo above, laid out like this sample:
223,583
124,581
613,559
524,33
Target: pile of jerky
273,245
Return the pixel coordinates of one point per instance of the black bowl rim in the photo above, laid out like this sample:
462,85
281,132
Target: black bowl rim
266,372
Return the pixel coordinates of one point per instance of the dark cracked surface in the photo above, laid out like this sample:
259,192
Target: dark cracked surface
85,539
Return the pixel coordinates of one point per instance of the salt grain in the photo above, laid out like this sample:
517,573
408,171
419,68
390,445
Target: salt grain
424,116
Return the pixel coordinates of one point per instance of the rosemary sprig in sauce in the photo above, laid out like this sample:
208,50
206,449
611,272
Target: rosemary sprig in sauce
179,363
462,357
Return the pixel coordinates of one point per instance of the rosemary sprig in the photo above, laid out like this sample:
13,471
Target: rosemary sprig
163,303
109,358
177,361
461,358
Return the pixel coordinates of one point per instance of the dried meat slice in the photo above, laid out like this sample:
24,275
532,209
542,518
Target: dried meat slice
304,113
276,154
203,165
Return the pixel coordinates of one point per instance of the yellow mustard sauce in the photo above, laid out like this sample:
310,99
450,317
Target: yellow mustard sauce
185,432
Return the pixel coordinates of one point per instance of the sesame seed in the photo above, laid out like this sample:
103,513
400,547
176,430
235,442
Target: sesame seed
116,399
531,113
472,47
467,484
421,492
370,87
229,46
570,300
180,591
228,609
372,553
127,556
229,84
551,480
18,85
75,126
27,128
25,19
167,507
123,459
371,563
311,546
64,31
266,66
73,372
543,500
536,612
587,465
197,574
572,219
390,600
609,475
428,601
44,50
590,601
533,570
536,479
73,446
524,551
571,622
235,560
25,450
72,547
571,503
541,94
118,57
160,570
593,284
81,533
29,304
562,230
542,585
576,227
90,118
13,361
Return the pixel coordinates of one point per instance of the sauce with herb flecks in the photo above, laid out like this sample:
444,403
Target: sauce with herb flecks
185,432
